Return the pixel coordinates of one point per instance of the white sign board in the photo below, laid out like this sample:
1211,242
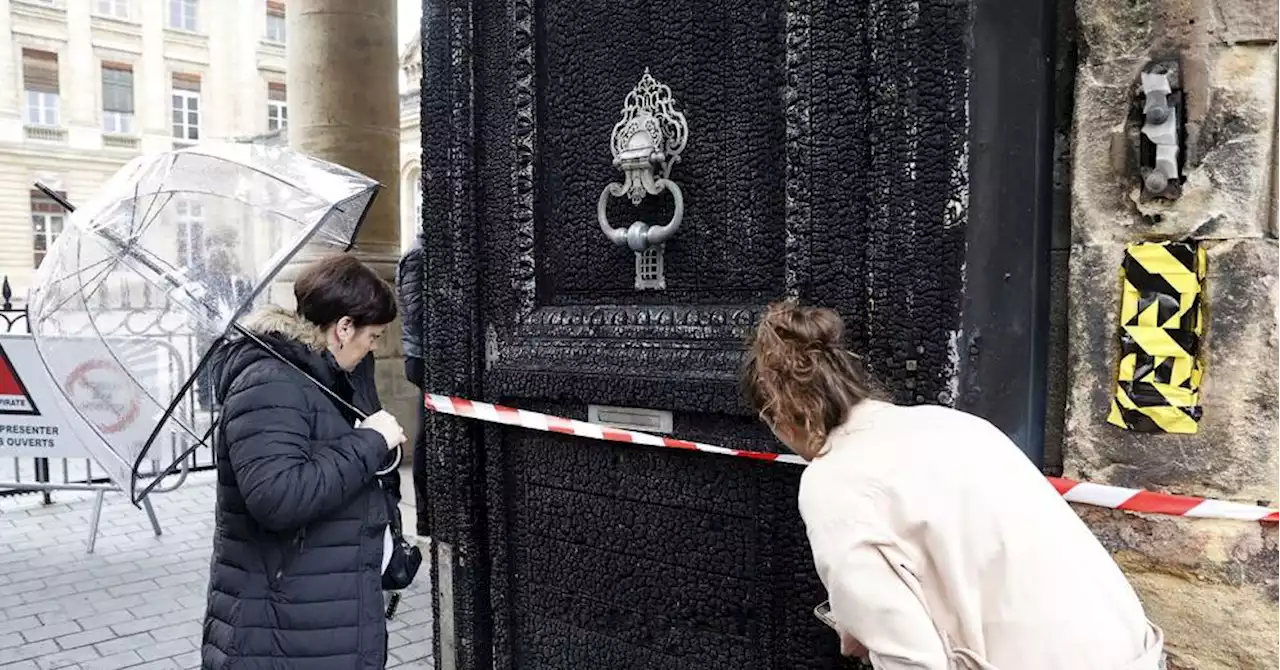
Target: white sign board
38,421
35,419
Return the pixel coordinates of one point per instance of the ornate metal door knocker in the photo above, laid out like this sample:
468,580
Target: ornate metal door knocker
647,140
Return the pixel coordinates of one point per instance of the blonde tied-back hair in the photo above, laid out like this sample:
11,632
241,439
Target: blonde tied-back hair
799,376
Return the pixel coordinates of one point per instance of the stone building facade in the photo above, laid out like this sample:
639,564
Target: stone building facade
343,78
1212,585
87,85
411,141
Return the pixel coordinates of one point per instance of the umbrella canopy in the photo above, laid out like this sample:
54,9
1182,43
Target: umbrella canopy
149,277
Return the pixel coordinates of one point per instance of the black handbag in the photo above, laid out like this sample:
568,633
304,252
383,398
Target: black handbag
406,557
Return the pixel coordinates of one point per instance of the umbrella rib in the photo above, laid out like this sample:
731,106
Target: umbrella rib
134,230
168,470
104,261
128,252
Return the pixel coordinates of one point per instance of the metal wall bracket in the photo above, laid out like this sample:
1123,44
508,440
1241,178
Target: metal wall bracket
1163,132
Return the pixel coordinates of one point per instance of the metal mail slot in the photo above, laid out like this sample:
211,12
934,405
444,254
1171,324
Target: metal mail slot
631,418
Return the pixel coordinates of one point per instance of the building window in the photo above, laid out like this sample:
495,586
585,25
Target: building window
40,87
116,9
277,107
117,98
275,22
411,208
47,218
189,220
184,14
186,107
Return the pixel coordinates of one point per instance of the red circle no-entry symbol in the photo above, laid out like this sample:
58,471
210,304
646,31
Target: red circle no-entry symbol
103,389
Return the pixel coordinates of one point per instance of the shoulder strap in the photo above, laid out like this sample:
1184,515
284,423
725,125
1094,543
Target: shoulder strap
393,513
334,396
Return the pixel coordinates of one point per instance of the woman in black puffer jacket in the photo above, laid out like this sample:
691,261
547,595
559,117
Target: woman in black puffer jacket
296,577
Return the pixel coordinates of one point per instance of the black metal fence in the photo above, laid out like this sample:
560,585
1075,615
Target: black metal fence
135,310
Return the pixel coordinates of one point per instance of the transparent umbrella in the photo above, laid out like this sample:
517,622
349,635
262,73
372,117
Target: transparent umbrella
153,274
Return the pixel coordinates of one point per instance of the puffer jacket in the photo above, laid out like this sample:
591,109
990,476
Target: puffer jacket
409,290
295,578
409,280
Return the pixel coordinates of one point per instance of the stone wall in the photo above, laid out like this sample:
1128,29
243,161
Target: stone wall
1211,585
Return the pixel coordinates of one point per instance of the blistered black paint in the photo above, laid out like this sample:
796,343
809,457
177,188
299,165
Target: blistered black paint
826,160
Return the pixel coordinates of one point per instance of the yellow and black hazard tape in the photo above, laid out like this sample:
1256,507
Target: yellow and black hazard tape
1161,322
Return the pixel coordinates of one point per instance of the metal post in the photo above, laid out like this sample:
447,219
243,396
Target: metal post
99,499
151,515
42,475
94,517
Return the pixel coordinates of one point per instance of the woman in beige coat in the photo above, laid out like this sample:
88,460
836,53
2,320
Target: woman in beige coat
940,545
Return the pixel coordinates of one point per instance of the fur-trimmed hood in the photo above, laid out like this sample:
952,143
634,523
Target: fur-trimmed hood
286,334
286,323
282,333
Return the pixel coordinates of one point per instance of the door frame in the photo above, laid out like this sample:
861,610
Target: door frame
1003,348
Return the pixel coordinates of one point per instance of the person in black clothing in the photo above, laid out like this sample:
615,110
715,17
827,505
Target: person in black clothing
229,287
409,285
296,575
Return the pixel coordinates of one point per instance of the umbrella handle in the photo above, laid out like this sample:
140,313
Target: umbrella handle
395,464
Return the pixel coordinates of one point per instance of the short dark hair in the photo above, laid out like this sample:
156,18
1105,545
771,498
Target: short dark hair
340,285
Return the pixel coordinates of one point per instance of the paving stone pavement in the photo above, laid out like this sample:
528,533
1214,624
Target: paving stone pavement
138,601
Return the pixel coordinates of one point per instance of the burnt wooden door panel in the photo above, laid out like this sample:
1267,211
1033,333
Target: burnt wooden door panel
828,159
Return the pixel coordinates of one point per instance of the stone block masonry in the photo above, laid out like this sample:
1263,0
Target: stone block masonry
1211,585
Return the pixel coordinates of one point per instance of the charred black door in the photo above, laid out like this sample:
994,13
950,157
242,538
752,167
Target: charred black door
829,158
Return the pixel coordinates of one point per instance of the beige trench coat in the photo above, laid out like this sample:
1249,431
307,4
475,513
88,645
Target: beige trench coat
943,548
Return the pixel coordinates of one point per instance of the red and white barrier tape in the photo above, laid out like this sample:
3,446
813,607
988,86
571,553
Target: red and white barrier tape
1148,502
483,411
1098,495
